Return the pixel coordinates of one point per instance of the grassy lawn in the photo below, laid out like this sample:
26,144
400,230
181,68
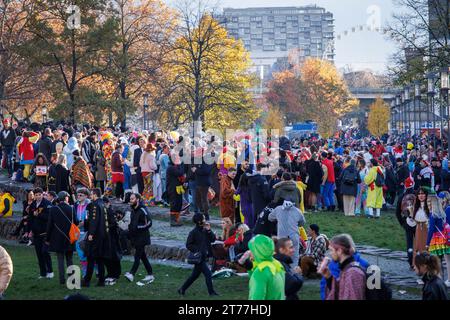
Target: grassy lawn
384,232
25,285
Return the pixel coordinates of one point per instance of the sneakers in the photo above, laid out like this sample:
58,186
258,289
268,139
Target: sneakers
129,276
148,279
447,283
50,275
181,292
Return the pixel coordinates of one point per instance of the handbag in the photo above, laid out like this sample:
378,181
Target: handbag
74,231
194,257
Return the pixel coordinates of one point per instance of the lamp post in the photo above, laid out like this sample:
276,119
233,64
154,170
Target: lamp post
44,114
417,95
444,95
407,101
392,116
430,94
145,110
397,108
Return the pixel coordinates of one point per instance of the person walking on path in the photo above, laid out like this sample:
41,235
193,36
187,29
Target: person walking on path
429,268
139,234
199,241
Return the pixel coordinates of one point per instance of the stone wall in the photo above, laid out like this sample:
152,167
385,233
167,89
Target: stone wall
159,249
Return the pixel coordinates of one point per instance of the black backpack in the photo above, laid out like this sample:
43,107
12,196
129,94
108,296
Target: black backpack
349,178
384,293
379,180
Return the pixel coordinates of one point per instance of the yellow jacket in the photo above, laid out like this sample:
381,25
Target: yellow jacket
2,204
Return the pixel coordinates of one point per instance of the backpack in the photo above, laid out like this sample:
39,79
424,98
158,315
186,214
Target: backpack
349,178
384,293
379,180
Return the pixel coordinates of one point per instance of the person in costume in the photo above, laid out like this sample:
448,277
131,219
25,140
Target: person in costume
438,242
80,209
107,150
148,167
374,193
6,204
26,151
267,276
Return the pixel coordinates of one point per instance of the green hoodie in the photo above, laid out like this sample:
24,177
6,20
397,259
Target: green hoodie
267,276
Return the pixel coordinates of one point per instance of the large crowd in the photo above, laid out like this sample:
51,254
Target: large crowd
80,172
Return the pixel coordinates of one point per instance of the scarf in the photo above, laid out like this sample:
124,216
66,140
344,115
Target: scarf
81,173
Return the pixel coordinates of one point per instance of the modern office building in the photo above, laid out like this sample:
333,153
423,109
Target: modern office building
270,33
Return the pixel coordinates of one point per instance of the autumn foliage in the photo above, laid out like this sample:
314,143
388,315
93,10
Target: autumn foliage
313,90
379,117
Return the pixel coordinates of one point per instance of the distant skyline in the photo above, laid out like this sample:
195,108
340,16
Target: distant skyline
359,50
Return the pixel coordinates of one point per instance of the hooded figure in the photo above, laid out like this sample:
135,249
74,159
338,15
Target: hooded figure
267,278
68,150
289,219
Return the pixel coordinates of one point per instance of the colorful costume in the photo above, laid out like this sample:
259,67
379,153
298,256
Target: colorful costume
108,150
267,278
374,194
26,151
437,234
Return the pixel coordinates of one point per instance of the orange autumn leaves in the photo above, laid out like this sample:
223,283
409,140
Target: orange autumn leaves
313,90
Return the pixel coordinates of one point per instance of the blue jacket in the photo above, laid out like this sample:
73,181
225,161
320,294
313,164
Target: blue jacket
335,271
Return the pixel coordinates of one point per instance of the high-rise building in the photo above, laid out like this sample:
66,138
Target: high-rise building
270,33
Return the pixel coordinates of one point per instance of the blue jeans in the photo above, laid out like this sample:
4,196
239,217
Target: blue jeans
328,194
8,151
192,188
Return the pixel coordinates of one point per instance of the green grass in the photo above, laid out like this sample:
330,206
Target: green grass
25,285
383,233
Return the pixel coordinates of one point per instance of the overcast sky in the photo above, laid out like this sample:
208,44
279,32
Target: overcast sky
361,49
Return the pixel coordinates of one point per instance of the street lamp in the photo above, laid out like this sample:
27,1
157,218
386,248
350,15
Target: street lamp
145,110
444,95
407,99
392,116
44,114
431,78
417,95
397,107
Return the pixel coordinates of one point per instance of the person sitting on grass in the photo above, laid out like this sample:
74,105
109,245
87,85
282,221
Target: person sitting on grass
315,251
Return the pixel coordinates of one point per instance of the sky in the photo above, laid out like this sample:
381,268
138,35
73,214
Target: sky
357,50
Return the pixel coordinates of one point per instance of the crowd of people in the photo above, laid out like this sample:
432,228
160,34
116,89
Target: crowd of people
80,170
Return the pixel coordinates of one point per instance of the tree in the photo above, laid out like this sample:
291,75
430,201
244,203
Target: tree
144,33
210,77
71,57
274,120
421,30
379,117
313,90
20,90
